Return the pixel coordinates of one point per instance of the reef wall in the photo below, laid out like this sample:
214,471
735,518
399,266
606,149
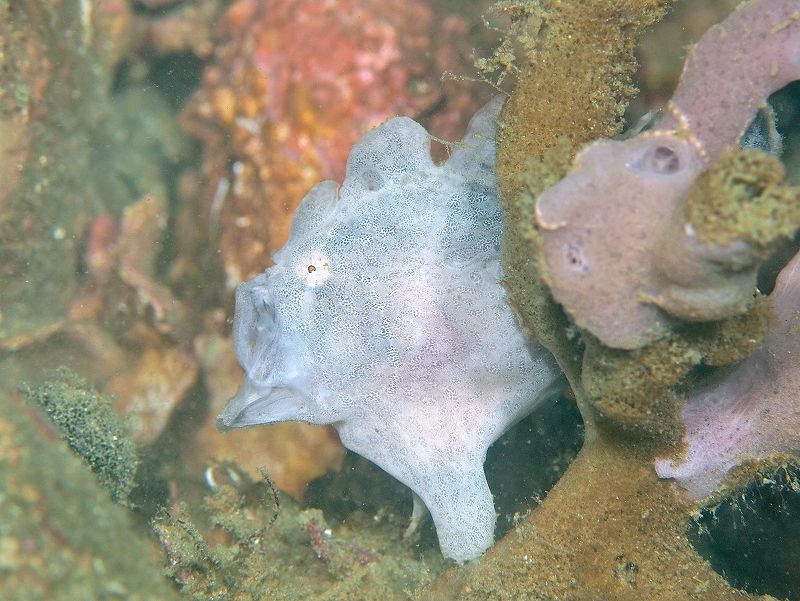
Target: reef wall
151,152
609,528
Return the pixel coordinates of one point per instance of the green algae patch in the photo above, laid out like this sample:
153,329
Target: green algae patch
248,543
61,536
743,197
88,424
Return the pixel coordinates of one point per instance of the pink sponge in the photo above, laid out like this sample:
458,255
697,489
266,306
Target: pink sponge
750,411
615,245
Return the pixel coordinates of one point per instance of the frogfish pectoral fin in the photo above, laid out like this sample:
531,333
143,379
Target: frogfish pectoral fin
254,405
462,509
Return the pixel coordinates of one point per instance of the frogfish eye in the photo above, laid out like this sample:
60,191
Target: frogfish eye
314,269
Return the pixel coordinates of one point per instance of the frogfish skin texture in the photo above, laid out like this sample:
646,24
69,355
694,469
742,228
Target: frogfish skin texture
385,317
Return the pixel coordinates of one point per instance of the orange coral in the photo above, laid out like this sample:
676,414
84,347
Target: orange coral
293,85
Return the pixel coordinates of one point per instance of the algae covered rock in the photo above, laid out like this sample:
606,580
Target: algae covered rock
61,537
88,424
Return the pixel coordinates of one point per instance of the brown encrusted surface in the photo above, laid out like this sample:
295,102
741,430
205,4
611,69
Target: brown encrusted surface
628,387
633,388
609,530
576,80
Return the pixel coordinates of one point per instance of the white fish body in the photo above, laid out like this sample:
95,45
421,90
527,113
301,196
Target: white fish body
385,317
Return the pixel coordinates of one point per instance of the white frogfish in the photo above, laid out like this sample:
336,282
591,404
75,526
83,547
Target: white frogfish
385,317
